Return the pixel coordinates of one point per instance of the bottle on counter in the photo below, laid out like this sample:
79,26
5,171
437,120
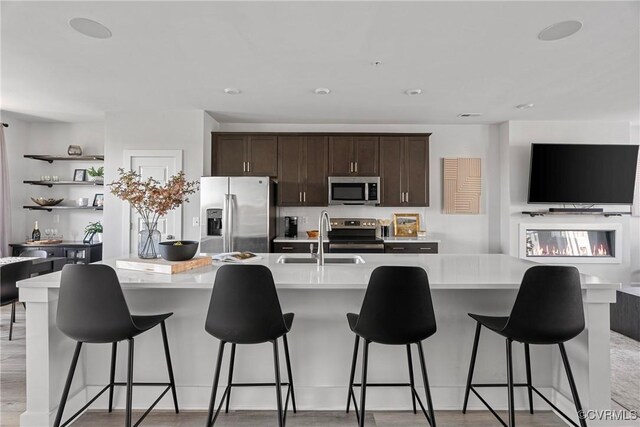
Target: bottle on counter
35,234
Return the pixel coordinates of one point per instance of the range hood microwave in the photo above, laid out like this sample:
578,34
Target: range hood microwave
354,190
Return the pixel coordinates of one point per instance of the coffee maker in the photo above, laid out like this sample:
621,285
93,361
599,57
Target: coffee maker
290,226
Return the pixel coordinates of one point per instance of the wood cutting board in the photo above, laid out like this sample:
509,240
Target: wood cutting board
162,266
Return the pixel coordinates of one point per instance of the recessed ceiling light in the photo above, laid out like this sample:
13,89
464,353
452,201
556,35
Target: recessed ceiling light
90,28
524,106
465,115
376,63
560,30
322,91
412,92
232,91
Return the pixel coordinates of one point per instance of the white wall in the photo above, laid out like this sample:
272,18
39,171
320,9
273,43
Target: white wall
516,139
185,130
50,138
459,233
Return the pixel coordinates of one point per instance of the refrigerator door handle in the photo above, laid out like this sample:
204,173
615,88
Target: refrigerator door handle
230,222
225,241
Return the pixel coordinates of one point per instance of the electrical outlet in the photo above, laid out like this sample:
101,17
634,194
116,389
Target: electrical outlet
304,220
196,221
56,219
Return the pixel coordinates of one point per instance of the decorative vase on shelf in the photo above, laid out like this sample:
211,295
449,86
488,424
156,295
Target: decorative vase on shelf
149,241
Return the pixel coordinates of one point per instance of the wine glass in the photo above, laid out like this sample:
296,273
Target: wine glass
54,232
47,232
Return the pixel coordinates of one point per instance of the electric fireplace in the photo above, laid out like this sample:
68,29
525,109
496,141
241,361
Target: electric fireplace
570,243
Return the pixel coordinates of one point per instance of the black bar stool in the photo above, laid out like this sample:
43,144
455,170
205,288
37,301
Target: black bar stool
245,309
10,274
397,310
92,309
547,310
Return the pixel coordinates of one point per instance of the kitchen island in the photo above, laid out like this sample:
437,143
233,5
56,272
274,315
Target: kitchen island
320,341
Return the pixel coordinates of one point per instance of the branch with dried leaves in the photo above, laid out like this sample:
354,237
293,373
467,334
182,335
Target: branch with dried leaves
150,198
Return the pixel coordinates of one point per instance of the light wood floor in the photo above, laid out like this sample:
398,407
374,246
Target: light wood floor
12,403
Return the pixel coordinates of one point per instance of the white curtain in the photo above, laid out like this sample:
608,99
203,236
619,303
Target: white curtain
5,199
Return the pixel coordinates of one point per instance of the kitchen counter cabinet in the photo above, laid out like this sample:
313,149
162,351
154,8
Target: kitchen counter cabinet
320,341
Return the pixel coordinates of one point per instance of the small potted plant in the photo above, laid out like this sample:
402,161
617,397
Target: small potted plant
95,229
96,174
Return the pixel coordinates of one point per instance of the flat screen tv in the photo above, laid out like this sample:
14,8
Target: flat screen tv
582,173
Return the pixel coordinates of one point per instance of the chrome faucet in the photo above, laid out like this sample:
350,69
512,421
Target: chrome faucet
324,216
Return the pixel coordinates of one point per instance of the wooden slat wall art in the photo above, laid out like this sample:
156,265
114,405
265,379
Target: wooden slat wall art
462,185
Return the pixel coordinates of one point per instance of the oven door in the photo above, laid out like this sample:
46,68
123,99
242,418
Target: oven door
347,193
356,248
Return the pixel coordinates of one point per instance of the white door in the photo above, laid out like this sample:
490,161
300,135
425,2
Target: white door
159,165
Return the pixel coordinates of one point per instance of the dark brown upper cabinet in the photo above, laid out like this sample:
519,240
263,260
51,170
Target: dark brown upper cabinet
404,170
353,155
302,170
244,155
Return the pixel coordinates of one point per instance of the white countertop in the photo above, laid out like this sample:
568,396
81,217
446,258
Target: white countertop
303,238
447,271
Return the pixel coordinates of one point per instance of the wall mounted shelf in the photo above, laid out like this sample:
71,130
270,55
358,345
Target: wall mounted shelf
544,213
50,208
51,159
52,183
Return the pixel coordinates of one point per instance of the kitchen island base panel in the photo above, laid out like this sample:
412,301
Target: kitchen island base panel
321,345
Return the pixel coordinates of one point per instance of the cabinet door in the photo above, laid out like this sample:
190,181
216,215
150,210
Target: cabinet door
316,161
365,155
340,155
262,155
416,171
228,155
391,157
290,161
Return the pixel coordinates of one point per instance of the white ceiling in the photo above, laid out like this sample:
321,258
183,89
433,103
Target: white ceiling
465,56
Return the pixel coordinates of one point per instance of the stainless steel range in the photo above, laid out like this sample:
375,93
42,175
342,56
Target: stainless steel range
354,235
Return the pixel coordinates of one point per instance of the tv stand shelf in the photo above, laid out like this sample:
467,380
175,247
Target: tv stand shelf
543,213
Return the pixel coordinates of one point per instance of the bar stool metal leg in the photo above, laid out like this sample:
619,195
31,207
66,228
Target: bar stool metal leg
350,393
472,366
230,378
527,359
167,355
572,383
67,386
12,320
512,415
411,381
214,389
363,394
289,374
276,362
129,405
427,389
112,375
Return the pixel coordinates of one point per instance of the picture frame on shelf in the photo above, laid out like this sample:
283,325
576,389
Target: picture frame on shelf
79,175
98,200
406,224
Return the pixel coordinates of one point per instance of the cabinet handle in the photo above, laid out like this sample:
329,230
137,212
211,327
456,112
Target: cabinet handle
304,196
300,197
248,166
426,249
350,167
244,166
398,248
287,248
406,199
356,166
402,197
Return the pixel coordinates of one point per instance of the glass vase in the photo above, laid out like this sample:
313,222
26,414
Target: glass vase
149,241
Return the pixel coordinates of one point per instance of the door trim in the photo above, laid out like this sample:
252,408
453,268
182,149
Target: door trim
127,156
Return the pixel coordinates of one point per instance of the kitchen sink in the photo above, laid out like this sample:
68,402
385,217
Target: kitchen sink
288,259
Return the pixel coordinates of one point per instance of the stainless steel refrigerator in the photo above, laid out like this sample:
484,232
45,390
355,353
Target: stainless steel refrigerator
237,214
